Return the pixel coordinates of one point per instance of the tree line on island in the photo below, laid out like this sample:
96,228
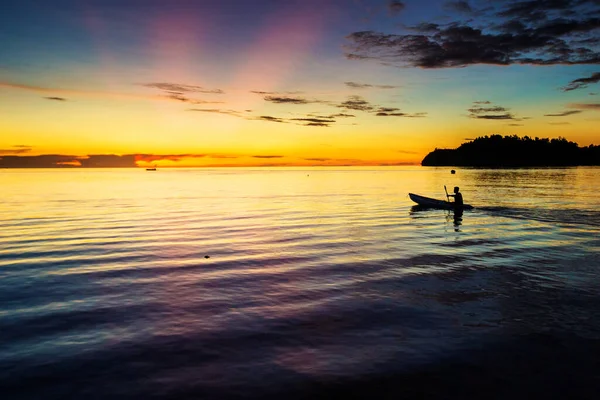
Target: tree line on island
513,151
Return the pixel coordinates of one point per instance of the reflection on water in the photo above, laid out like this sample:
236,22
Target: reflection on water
318,282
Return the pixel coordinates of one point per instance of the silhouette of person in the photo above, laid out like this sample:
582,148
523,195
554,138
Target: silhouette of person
458,198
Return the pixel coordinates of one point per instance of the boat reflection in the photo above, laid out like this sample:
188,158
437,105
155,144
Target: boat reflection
456,216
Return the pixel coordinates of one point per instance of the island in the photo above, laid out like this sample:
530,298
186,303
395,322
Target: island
497,151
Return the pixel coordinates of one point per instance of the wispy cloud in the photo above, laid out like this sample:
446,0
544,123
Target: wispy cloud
356,85
17,149
233,113
563,113
582,82
287,100
181,88
266,156
54,92
486,110
585,106
271,119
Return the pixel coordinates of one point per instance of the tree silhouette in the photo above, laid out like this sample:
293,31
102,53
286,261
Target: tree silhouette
513,151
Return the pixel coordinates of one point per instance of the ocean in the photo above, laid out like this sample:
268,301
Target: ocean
299,283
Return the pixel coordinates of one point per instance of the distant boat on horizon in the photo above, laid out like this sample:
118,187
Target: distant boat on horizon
151,169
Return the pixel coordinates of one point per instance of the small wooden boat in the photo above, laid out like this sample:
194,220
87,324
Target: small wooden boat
434,203
151,169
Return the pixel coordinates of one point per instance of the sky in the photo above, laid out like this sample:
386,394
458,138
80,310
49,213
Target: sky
285,82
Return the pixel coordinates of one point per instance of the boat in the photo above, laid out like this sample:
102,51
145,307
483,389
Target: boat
435,203
151,169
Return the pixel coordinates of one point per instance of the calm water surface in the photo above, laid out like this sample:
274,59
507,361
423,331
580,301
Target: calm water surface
314,282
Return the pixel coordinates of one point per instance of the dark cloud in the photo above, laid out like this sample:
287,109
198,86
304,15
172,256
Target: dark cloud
582,82
564,113
537,32
55,98
18,149
271,119
317,159
314,120
267,156
585,106
559,123
356,85
261,92
486,110
108,161
287,100
341,115
317,124
42,161
401,114
593,94
460,6
66,161
183,99
356,103
395,6
181,88
515,125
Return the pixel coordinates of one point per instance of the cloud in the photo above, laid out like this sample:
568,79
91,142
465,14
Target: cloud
170,95
486,110
271,119
559,123
262,93
286,100
549,32
57,160
181,88
459,6
395,6
180,97
515,125
341,115
564,113
582,82
168,157
217,111
314,121
267,156
585,106
17,149
356,85
401,114
317,159
356,103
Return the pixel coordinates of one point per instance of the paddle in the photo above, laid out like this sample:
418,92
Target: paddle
447,197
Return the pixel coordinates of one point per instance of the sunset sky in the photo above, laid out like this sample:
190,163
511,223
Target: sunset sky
286,82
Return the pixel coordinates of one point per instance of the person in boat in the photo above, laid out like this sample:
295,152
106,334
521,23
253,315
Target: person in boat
458,198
